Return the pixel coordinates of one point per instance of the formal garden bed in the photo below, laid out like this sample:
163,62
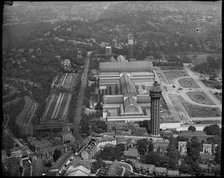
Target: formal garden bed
188,83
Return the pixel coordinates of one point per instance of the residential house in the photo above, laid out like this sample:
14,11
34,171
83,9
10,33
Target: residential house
77,171
182,147
207,148
106,140
173,173
161,146
160,171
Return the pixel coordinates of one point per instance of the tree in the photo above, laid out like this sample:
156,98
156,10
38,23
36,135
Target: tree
109,153
193,149
173,141
98,107
185,168
218,154
212,130
57,154
142,146
84,125
192,128
120,147
173,156
98,114
156,159
150,146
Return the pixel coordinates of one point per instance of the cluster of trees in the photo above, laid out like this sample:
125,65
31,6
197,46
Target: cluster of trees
97,164
209,67
57,154
191,161
111,153
149,156
98,126
212,130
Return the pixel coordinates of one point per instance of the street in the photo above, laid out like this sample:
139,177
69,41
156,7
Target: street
78,109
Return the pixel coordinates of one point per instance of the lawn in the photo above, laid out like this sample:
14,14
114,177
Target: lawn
170,75
212,84
188,83
200,97
199,111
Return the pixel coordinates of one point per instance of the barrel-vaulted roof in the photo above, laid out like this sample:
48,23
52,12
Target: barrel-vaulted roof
133,66
126,85
130,105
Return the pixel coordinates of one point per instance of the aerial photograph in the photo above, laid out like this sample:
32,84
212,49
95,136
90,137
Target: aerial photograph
111,88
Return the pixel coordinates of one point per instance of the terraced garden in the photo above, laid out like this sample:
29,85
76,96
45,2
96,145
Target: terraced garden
200,97
170,75
188,83
199,111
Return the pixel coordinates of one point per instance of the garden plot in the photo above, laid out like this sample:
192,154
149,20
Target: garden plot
199,111
200,97
188,83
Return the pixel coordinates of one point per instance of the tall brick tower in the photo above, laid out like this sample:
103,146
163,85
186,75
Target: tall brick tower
155,94
130,46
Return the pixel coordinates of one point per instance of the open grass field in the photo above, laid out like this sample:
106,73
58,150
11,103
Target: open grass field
200,97
199,111
170,75
212,83
188,83
176,103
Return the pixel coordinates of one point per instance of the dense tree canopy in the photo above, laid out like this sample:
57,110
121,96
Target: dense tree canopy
142,146
192,128
212,130
193,149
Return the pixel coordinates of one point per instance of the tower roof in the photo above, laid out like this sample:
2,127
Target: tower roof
156,87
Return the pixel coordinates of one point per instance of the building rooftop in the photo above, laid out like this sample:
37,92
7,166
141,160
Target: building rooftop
78,171
134,66
127,87
133,152
130,105
160,169
173,173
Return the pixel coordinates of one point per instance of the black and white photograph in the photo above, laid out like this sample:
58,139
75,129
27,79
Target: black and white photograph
111,88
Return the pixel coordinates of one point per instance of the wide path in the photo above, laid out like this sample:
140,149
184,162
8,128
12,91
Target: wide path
78,109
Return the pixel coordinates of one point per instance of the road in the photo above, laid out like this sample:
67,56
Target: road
78,109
